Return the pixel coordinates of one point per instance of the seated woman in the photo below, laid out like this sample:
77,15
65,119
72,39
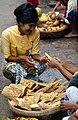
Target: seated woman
20,46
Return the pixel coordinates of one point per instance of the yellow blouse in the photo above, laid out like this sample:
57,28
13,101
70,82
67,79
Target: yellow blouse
12,43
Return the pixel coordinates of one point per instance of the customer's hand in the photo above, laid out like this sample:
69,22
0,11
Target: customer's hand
67,105
53,63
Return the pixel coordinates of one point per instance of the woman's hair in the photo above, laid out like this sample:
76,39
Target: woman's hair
26,13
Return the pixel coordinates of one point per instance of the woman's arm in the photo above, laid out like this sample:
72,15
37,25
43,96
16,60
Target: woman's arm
26,59
39,58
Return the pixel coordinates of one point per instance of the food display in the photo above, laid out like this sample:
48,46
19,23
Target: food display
30,95
17,118
41,16
39,11
53,24
23,118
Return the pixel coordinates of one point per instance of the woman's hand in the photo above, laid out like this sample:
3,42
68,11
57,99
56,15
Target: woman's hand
27,60
43,59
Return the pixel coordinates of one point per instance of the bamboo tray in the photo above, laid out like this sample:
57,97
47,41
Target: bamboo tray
34,113
54,35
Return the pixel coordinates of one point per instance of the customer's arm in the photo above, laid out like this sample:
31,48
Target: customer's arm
74,116
72,69
68,105
55,64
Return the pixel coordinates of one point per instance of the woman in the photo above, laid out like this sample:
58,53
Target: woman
18,42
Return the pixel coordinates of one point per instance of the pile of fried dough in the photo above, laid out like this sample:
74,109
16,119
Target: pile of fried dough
31,95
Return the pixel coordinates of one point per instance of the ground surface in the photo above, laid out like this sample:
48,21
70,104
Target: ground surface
66,49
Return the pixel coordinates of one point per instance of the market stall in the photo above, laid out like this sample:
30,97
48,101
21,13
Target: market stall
31,98
51,25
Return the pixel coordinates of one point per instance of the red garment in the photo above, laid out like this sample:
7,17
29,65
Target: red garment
33,2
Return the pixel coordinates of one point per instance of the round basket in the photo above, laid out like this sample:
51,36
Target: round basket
58,34
34,113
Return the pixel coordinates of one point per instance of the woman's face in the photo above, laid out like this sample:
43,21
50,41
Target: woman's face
26,29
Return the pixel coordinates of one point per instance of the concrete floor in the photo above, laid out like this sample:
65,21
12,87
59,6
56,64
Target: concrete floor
66,49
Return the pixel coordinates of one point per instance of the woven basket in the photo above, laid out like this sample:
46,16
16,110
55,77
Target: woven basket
34,113
58,34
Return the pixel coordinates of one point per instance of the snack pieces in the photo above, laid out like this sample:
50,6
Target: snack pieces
52,23
35,96
3,117
48,56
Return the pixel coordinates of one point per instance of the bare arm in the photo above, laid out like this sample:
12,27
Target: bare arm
41,59
26,59
57,4
67,105
55,64
65,72
72,69
73,117
36,57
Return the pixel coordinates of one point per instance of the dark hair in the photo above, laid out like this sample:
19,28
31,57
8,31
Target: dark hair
26,13
64,2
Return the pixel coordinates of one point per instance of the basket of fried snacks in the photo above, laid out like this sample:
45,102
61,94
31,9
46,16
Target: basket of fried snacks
53,27
31,98
3,117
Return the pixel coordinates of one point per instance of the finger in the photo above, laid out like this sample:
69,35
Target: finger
62,109
57,59
30,59
30,64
